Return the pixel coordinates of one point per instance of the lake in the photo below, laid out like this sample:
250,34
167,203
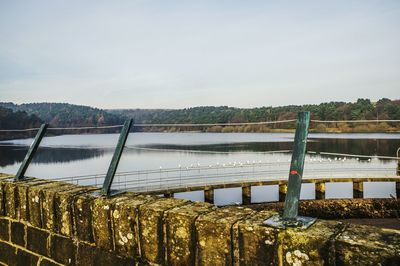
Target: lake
212,157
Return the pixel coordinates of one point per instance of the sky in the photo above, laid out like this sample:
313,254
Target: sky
177,54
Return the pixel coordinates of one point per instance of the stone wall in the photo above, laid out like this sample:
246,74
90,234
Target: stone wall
53,223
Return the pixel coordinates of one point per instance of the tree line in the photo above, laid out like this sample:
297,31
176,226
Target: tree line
362,109
17,120
31,115
67,115
14,116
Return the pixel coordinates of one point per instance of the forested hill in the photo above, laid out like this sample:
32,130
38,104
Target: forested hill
18,119
67,115
362,109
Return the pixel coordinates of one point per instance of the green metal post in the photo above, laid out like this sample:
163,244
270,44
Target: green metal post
290,216
31,152
105,191
291,207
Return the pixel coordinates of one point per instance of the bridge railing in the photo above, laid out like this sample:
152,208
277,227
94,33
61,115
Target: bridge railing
251,171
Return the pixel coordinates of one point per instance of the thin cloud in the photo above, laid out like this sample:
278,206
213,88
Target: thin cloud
153,54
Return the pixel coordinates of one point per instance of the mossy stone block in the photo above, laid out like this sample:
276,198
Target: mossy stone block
10,203
255,243
37,240
83,217
214,235
47,197
152,231
102,226
309,246
25,258
34,201
63,209
18,231
4,229
180,232
90,255
367,245
7,253
125,218
63,250
22,197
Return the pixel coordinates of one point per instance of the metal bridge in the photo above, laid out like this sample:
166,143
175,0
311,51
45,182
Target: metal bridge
183,177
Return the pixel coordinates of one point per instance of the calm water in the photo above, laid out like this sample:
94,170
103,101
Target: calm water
72,155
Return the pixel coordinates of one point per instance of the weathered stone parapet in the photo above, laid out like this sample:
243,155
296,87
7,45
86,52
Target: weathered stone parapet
366,245
255,243
125,224
47,201
23,200
82,218
102,211
64,209
308,247
152,229
181,232
38,204
9,197
52,223
214,242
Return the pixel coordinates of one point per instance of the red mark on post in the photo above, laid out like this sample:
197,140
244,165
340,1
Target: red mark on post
294,172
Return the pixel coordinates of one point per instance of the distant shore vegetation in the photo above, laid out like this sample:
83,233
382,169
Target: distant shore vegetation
21,116
379,127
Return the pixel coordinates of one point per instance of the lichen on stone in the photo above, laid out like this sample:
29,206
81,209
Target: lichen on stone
296,258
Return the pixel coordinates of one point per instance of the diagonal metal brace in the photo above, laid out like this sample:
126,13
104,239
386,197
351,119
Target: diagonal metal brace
290,216
31,152
106,190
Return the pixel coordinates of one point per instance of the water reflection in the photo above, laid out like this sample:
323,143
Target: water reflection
382,147
10,155
71,148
